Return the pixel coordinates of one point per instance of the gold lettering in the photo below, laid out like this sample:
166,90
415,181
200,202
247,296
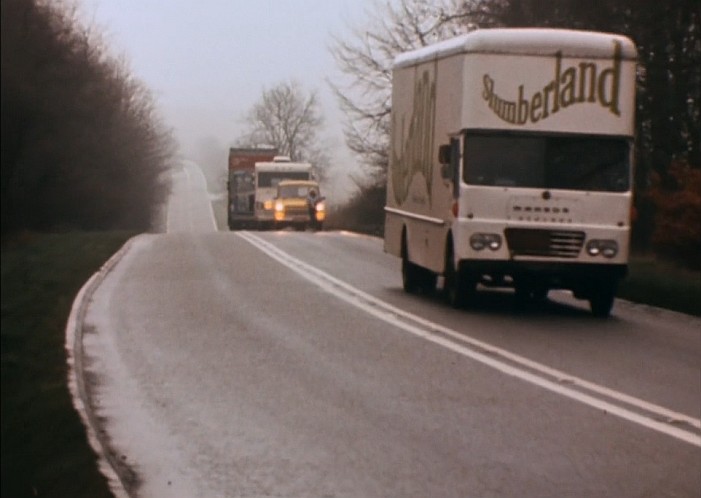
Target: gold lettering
522,107
546,91
536,102
411,153
488,87
580,83
556,82
583,68
567,94
611,101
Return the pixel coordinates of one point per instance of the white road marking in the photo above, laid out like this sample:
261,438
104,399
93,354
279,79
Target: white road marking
537,374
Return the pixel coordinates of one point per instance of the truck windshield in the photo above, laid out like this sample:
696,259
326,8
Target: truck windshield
591,163
272,178
288,191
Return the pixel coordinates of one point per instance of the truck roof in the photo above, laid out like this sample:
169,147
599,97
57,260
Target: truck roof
281,166
244,158
523,41
266,151
307,183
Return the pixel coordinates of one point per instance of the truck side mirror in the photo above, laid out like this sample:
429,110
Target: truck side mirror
444,154
447,172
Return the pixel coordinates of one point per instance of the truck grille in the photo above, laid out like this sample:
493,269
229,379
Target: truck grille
297,210
544,243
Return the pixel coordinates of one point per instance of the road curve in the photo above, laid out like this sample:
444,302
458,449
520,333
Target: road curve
292,364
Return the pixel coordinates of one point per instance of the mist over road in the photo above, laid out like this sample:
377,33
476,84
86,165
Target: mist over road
292,364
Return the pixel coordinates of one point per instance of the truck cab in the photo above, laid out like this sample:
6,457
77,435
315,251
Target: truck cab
299,204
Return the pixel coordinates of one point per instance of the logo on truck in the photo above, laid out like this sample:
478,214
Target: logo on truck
579,84
415,147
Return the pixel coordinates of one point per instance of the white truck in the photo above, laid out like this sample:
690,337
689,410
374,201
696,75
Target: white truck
266,179
511,163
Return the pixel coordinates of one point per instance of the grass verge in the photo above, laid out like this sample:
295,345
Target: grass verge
662,284
45,451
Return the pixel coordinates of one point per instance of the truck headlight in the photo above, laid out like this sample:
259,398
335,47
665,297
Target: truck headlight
479,241
268,205
279,207
607,248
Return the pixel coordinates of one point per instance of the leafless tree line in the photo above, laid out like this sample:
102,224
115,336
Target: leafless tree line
82,144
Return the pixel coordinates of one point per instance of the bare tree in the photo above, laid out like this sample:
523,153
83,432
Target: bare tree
288,118
365,60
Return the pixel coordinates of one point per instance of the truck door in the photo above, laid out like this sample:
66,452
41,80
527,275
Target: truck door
242,193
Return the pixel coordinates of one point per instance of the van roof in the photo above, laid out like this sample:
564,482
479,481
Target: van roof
523,41
306,183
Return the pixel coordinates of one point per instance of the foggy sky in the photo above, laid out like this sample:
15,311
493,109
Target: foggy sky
207,62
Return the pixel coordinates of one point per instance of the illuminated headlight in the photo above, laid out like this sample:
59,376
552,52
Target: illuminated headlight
279,207
268,205
607,248
479,241
321,206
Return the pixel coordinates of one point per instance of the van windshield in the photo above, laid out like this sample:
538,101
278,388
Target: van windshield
272,178
289,191
590,163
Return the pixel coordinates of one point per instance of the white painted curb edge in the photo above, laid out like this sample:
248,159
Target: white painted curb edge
107,463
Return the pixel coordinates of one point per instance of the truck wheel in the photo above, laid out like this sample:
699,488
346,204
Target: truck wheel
411,280
458,287
601,302
428,281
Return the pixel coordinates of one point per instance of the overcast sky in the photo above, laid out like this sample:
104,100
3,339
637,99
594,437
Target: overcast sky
207,61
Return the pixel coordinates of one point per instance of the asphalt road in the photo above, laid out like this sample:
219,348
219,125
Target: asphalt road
292,364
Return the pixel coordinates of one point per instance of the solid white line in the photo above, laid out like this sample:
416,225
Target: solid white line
428,330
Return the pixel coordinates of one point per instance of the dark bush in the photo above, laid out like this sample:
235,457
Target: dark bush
82,145
364,212
677,199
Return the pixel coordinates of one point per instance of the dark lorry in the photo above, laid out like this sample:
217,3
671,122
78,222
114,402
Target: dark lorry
241,184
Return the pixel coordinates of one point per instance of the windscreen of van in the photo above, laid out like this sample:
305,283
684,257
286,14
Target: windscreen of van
272,178
589,163
290,191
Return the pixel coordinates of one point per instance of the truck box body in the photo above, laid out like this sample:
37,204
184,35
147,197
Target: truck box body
241,186
538,125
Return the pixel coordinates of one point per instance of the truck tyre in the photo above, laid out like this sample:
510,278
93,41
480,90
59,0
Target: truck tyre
601,303
428,281
410,276
458,286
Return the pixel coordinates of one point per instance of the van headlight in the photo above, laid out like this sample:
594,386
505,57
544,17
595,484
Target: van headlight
479,241
607,248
